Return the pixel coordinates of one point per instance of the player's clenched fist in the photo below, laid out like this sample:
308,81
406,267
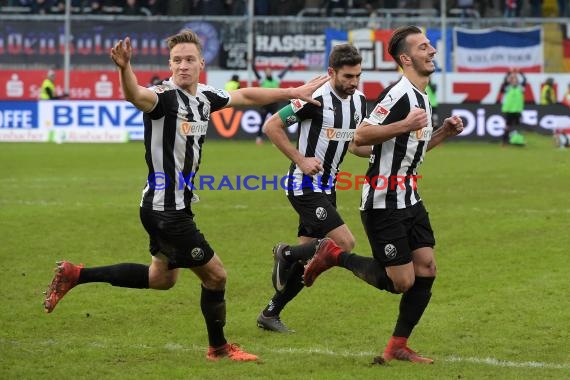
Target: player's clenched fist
417,119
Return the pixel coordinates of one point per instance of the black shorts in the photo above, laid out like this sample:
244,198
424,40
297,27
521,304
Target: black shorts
395,233
512,119
317,213
175,235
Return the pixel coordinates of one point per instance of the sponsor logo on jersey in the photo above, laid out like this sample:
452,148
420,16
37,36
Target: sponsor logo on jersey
195,128
336,134
424,134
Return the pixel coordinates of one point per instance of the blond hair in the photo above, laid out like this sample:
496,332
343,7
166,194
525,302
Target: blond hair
185,36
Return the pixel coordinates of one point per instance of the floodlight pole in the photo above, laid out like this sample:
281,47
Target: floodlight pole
443,92
250,13
67,39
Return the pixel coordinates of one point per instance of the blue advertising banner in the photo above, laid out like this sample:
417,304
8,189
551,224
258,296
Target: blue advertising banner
19,115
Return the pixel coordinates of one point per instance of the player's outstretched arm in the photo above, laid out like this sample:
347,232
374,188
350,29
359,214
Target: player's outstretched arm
141,97
256,96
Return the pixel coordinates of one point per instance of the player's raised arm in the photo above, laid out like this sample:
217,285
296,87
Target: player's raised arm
141,97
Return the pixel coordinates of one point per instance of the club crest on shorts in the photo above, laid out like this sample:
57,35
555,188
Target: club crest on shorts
390,251
321,213
197,253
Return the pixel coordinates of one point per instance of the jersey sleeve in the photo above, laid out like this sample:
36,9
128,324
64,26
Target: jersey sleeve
287,115
162,92
218,98
380,112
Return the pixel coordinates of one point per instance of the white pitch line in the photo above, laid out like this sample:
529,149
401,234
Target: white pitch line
487,361
492,362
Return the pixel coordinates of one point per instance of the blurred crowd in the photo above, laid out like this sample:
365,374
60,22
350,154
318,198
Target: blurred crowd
462,8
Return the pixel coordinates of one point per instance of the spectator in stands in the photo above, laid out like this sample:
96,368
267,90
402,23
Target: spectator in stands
133,8
535,8
179,7
562,8
512,92
285,7
157,7
47,91
213,7
96,7
42,6
333,6
261,7
239,7
548,94
510,8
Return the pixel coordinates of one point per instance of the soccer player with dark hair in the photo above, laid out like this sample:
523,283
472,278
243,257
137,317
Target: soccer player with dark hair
394,217
325,135
176,115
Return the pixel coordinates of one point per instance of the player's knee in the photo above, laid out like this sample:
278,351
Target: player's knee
403,284
426,269
162,282
216,279
346,243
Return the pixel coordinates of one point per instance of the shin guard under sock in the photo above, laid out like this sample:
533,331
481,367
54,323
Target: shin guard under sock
302,252
213,308
367,269
292,288
125,275
413,305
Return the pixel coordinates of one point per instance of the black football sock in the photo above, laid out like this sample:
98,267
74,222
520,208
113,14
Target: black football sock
413,305
367,269
302,252
125,275
214,311
292,288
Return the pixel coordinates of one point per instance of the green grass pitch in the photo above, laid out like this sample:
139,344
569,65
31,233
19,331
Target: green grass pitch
499,309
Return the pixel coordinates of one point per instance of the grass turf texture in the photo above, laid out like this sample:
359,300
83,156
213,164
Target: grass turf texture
499,309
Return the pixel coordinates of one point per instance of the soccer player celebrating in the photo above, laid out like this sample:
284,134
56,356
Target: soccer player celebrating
394,217
325,134
176,115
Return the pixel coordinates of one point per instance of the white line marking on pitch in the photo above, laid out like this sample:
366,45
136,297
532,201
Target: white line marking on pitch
493,362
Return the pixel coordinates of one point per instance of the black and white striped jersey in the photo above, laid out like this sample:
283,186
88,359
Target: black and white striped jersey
324,132
174,132
392,173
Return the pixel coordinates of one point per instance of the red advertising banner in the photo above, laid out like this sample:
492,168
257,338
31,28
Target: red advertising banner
93,85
